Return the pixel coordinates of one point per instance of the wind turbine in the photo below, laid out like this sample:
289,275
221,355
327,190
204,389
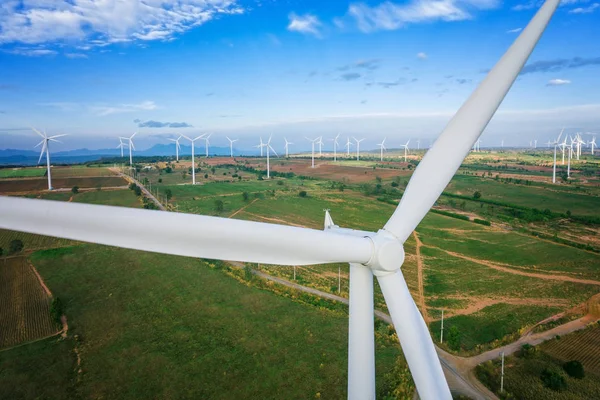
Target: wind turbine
231,145
268,146
418,144
287,145
131,147
593,144
207,143
535,143
369,254
335,145
563,146
555,143
193,164
46,148
405,149
320,143
348,144
382,148
312,141
357,147
260,146
177,146
121,145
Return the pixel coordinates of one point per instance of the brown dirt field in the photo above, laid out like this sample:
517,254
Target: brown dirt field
420,279
478,303
68,172
30,185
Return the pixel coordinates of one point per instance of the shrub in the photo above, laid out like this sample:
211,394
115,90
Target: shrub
159,180
302,193
453,338
553,379
482,221
280,183
245,196
56,309
477,195
75,189
574,369
528,351
219,206
394,184
205,176
248,275
15,246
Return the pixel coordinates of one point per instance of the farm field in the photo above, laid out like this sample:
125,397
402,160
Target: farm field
583,346
21,172
30,241
31,185
24,305
80,171
201,329
119,197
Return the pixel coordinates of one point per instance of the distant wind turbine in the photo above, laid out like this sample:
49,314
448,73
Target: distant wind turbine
593,144
320,143
131,148
46,148
231,145
287,146
312,141
358,147
194,165
335,145
177,146
207,143
382,148
121,145
405,149
260,146
269,149
555,143
348,144
418,144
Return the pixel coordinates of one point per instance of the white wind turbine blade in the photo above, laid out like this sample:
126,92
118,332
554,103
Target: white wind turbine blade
414,338
131,144
273,150
57,136
182,234
445,156
43,149
39,133
131,137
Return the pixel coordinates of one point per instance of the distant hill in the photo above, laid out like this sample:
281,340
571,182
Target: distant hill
29,157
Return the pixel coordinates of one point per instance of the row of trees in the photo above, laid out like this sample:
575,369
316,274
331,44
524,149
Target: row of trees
15,246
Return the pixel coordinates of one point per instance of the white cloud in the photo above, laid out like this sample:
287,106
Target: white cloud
585,10
307,24
102,22
516,30
32,52
390,16
558,82
530,4
76,55
422,56
123,108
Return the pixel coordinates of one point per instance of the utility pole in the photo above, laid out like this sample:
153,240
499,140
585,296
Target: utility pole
502,375
339,279
442,329
294,272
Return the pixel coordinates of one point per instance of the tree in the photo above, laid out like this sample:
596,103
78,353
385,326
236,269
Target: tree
184,174
137,190
75,189
453,338
245,196
1,251
553,379
302,193
15,246
205,176
574,369
477,195
219,206
169,194
159,180
213,170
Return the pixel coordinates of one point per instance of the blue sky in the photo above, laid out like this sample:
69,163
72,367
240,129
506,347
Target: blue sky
99,69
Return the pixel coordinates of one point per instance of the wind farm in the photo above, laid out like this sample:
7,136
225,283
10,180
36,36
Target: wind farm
463,263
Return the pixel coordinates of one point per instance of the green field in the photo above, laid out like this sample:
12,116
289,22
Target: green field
122,197
21,172
33,185
195,334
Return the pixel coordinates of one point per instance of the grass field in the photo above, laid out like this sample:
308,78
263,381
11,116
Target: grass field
21,172
197,334
24,305
30,185
80,171
30,241
121,197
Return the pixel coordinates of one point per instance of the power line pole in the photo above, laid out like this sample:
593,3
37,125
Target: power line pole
339,279
502,375
294,272
442,329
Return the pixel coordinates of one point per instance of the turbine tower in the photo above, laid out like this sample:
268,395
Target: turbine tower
380,254
194,165
131,147
358,147
320,143
348,144
405,149
46,148
231,146
382,148
335,145
593,144
207,143
563,146
269,149
287,146
121,145
177,147
312,141
556,144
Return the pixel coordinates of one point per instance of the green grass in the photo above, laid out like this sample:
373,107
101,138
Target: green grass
155,326
40,370
493,323
21,172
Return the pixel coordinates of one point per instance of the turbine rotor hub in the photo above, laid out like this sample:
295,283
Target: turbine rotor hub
388,253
